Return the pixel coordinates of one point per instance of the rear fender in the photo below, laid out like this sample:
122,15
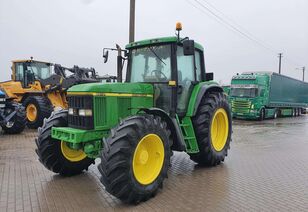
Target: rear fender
197,94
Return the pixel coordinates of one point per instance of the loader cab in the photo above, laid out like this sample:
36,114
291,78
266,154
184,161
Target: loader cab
172,65
29,71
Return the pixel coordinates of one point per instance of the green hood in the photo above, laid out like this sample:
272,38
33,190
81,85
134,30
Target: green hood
135,88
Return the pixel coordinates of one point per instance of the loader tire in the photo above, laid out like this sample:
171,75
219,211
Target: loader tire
213,128
55,155
135,158
18,123
37,109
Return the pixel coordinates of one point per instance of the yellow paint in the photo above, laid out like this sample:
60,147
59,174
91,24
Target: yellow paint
110,94
71,154
31,112
219,129
148,159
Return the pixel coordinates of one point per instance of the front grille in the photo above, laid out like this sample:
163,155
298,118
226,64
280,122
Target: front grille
80,122
240,106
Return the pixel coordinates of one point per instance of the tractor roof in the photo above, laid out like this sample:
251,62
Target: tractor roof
156,41
28,60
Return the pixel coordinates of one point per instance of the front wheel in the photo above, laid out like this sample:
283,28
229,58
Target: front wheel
213,128
135,158
18,122
56,155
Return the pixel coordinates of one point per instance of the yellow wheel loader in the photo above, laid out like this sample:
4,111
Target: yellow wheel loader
41,86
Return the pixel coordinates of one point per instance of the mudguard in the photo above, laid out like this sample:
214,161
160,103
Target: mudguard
198,92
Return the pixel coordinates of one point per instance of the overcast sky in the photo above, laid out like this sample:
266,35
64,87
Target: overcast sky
73,32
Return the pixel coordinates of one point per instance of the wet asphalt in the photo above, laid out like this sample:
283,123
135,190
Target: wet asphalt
266,170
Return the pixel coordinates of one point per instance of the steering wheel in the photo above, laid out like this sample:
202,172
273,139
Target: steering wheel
157,72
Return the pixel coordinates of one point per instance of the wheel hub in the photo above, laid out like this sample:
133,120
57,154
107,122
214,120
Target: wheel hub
148,159
72,154
219,129
31,112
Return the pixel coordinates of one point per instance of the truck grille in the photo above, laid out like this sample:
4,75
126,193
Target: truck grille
80,122
240,106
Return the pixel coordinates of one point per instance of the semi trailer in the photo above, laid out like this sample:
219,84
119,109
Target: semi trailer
261,95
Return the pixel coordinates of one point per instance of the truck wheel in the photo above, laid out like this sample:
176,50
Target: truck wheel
275,114
213,128
262,114
55,155
135,158
18,123
293,112
37,109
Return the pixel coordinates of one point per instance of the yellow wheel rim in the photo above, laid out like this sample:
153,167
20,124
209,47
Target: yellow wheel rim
71,154
219,129
148,159
31,112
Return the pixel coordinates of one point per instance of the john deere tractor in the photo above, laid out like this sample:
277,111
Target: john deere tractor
41,87
12,115
167,102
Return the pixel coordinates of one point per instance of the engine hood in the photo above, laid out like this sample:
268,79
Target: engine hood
128,88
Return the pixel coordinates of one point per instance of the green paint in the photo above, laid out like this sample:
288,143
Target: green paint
134,88
194,95
158,41
188,134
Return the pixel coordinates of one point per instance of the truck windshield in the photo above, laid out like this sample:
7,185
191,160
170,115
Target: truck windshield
150,64
244,92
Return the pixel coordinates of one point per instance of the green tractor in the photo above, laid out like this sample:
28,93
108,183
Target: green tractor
167,103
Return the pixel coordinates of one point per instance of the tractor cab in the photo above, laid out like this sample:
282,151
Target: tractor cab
29,71
171,65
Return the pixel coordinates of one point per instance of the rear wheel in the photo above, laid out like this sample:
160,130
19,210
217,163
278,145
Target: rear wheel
213,128
18,122
135,158
262,114
56,155
37,109
275,114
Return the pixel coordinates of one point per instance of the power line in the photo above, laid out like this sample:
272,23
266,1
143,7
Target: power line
230,24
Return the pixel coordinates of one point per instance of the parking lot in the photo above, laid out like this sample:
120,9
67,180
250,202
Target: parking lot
266,170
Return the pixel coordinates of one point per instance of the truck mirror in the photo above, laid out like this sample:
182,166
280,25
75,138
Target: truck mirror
209,76
189,47
105,55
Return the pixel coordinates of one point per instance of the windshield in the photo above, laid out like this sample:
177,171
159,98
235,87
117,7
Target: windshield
39,69
244,92
151,64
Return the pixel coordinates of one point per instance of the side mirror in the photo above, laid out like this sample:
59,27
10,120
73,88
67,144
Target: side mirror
209,76
189,47
105,55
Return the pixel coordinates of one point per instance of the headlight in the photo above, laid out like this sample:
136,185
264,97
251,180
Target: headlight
252,106
71,111
85,112
2,100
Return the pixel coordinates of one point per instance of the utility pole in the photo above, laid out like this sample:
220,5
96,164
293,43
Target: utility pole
132,21
280,56
304,73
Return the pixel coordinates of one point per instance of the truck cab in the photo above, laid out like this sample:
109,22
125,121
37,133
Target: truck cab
248,95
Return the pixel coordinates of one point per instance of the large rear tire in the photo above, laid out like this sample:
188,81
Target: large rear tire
135,158
55,155
37,109
213,128
18,123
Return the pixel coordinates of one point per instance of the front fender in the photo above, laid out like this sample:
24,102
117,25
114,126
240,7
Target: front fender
198,92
